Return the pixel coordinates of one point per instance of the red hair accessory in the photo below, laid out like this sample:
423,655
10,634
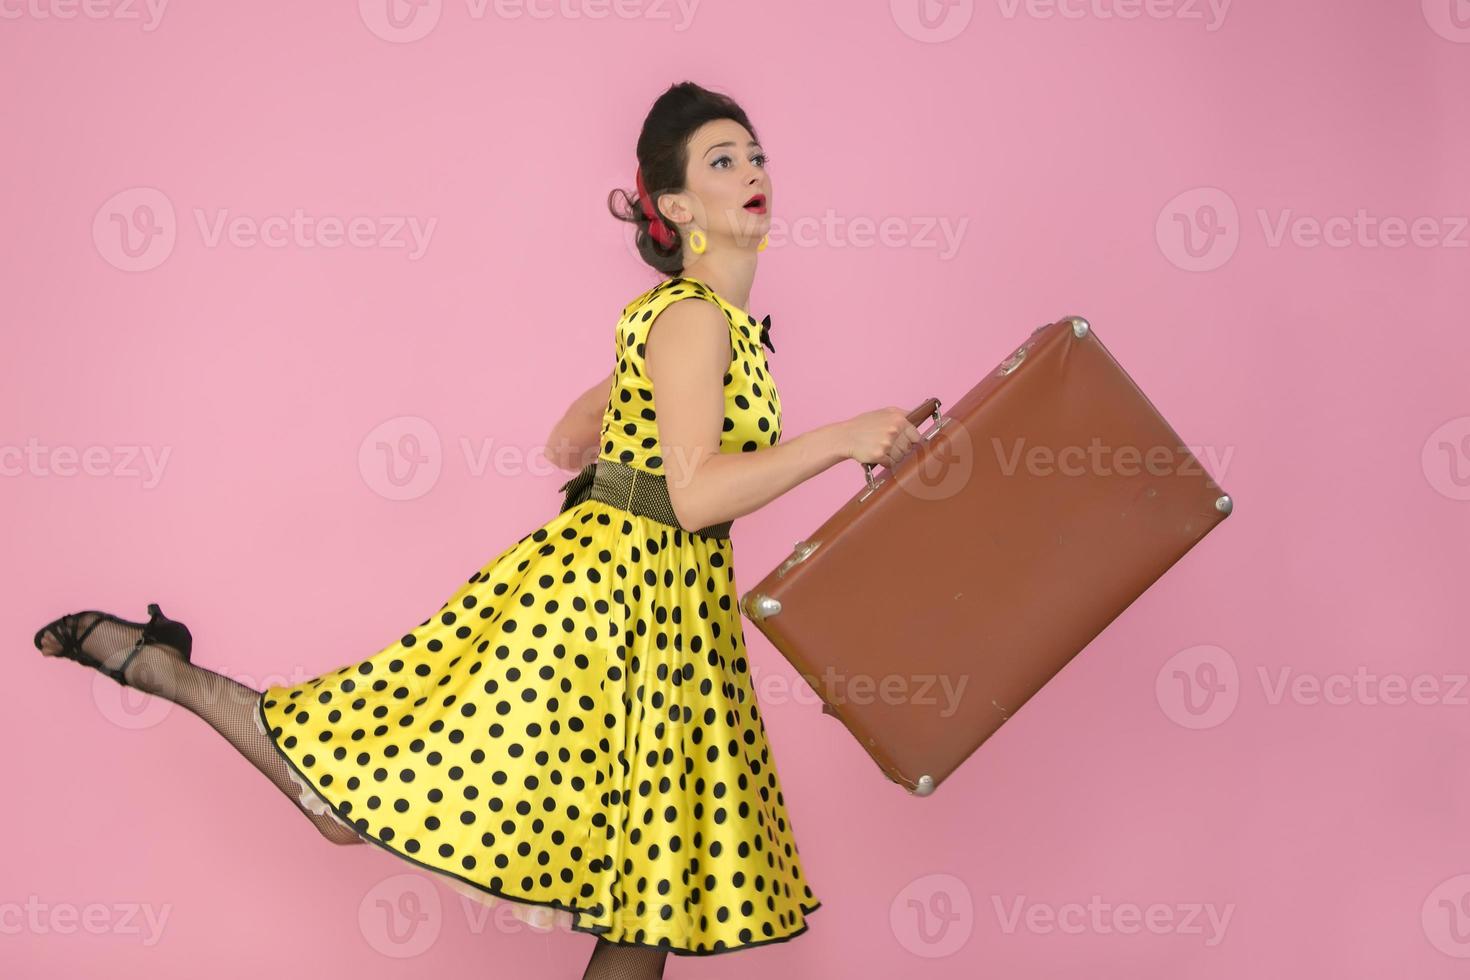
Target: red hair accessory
661,232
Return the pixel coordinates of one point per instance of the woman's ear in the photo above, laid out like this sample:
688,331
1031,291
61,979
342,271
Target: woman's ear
676,207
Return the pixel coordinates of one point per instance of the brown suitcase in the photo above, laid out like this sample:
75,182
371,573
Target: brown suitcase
945,593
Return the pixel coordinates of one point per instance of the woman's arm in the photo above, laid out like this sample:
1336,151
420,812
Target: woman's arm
687,364
576,436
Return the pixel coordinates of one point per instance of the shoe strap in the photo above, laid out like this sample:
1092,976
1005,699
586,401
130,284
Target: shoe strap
143,637
116,673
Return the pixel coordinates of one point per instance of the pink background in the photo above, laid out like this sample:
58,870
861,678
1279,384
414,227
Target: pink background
1324,386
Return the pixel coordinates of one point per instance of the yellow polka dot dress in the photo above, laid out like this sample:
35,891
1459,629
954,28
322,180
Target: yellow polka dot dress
574,730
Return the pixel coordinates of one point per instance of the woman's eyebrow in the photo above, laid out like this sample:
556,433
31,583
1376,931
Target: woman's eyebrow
728,143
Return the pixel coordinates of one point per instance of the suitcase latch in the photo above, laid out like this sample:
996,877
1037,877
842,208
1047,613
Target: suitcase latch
1080,328
799,554
1014,361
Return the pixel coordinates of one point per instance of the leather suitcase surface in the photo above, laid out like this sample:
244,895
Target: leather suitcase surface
947,591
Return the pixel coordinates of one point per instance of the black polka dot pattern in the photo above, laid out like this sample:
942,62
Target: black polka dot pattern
752,404
576,727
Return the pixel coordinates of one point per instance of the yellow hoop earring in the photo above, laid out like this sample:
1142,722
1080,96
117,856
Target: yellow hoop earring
762,246
696,242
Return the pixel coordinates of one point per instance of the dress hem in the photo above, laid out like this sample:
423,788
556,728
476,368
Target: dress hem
594,910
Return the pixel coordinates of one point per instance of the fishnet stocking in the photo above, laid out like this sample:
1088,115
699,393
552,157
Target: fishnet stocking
610,961
224,703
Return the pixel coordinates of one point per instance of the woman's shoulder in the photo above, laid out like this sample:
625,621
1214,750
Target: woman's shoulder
652,300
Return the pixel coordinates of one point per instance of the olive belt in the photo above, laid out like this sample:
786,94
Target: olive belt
633,490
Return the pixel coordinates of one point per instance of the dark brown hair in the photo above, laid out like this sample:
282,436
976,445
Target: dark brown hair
663,153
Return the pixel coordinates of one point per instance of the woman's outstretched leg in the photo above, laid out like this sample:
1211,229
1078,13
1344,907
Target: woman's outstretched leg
224,703
613,962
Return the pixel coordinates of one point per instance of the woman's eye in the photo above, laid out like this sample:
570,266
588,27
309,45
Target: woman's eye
726,159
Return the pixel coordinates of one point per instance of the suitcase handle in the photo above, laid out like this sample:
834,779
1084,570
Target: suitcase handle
928,408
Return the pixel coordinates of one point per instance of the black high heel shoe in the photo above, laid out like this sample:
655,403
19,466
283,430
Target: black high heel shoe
159,629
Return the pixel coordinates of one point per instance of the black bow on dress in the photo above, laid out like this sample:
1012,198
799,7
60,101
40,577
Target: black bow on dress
579,487
766,332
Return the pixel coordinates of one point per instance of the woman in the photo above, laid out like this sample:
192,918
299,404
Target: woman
574,730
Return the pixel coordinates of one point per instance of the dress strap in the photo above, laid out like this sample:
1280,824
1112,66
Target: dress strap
656,301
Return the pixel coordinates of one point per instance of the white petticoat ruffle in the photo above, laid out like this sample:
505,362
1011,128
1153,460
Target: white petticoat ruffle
539,917
310,801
